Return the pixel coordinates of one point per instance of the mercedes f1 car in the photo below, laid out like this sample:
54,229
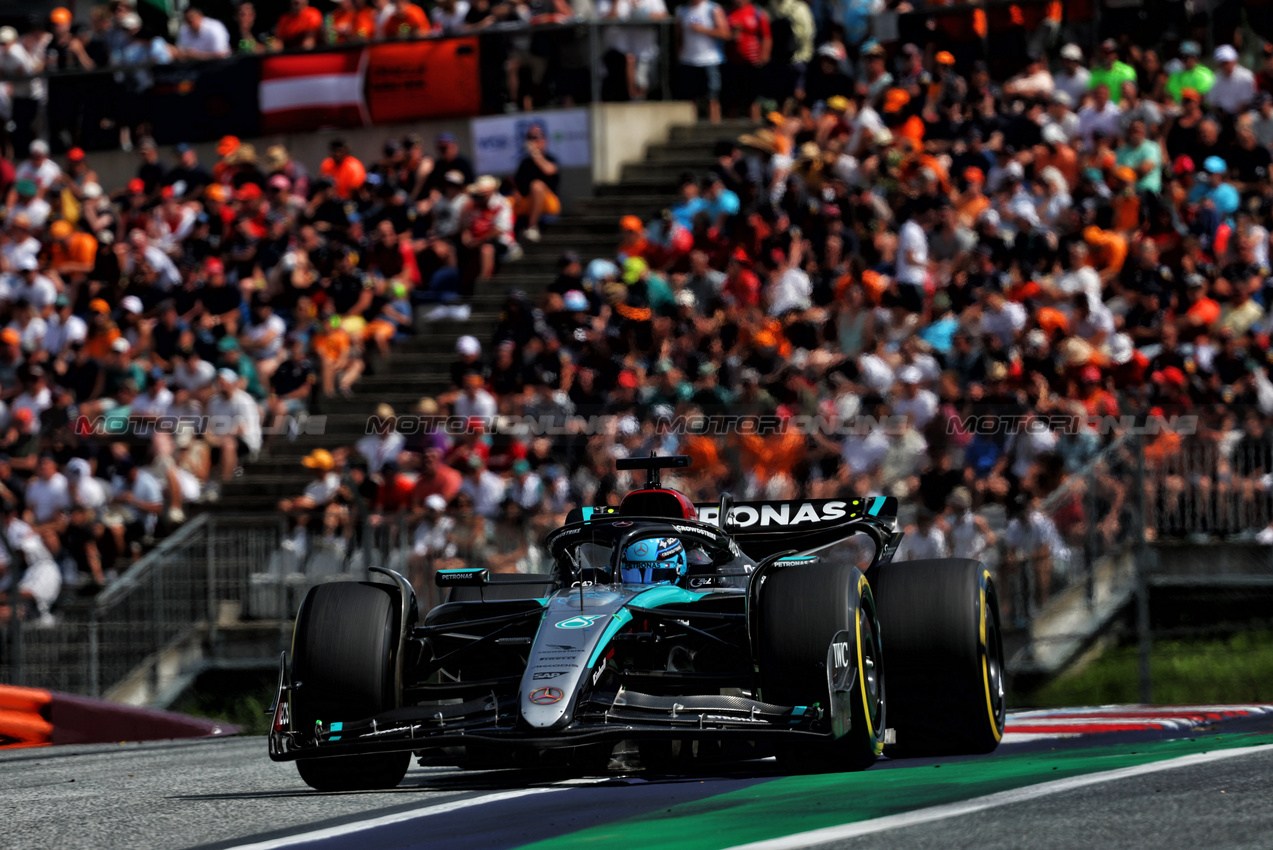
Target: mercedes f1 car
668,630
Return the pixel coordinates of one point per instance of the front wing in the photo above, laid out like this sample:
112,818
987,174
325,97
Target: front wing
602,717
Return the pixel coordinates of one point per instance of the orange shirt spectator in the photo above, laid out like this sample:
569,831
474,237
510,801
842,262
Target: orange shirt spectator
353,24
299,28
1107,249
408,21
443,481
332,346
972,203
769,456
344,170
72,251
99,343
1063,159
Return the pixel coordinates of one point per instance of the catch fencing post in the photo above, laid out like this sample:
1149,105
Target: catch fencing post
594,61
94,656
1144,635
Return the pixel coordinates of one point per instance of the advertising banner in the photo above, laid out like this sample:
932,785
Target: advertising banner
423,79
300,93
499,141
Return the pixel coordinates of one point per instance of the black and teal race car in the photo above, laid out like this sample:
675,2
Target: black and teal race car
667,631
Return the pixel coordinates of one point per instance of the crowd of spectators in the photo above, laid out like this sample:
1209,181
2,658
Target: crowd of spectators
159,335
913,243
905,241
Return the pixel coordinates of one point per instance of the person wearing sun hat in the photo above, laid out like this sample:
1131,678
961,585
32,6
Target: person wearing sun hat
1218,199
486,227
322,490
1073,78
1234,86
27,201
234,423
72,252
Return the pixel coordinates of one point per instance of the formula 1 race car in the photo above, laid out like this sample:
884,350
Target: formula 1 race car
668,630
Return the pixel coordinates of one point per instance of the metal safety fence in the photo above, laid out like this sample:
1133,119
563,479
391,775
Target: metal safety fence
1067,560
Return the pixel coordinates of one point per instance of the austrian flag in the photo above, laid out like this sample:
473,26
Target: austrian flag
301,93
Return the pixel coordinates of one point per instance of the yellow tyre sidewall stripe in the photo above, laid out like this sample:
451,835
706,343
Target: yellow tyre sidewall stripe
985,654
877,740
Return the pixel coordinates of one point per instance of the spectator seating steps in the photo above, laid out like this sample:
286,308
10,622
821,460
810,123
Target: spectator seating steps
656,184
668,170
420,366
706,134
644,204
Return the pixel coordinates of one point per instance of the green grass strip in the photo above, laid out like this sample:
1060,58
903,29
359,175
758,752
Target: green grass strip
799,803
1217,671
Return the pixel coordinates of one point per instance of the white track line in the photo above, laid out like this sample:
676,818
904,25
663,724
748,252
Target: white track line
389,820
990,801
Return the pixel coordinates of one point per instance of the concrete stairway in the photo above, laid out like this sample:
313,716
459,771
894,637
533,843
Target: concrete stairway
421,366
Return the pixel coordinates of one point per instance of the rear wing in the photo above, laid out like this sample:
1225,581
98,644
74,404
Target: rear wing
806,515
763,529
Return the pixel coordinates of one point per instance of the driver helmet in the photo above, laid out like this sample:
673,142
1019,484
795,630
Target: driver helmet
654,561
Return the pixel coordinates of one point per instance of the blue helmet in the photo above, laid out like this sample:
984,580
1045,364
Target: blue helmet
655,561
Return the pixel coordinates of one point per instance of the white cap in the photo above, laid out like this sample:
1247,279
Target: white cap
1053,177
1053,134
1063,98
229,376
1036,339
121,345
1226,53
435,503
8,35
77,467
468,346
131,21
1121,348
1072,51
28,263
132,304
92,190
1014,170
628,426
39,146
910,375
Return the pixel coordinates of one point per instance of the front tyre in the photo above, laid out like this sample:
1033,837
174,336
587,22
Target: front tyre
945,655
344,662
811,616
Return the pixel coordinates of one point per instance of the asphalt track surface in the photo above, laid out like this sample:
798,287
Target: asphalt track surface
1210,786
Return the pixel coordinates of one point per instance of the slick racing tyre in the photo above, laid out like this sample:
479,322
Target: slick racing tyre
343,661
940,621
804,609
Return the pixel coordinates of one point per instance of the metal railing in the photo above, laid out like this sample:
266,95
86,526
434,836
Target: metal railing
1063,562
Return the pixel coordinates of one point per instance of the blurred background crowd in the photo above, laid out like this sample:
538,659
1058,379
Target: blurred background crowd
905,238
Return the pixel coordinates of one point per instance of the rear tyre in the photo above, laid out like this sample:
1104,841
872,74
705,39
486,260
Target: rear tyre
802,609
945,656
343,661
